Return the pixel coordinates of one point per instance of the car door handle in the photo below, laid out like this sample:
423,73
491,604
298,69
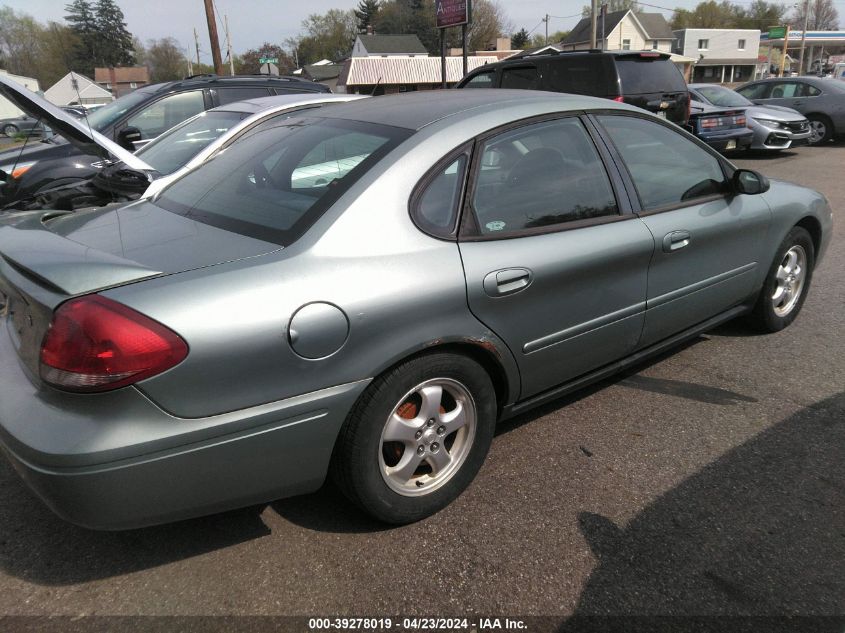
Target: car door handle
796,103
507,281
675,240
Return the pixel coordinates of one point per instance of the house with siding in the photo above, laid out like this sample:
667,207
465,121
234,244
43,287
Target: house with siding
624,30
724,55
388,46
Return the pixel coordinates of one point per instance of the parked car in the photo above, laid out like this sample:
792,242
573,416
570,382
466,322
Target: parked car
646,79
179,150
774,127
132,121
723,130
24,124
367,289
820,100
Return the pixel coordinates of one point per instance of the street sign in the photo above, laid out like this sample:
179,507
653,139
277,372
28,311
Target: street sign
777,32
268,60
452,12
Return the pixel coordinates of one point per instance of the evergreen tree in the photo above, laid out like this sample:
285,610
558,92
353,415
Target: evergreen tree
366,14
519,39
116,44
80,16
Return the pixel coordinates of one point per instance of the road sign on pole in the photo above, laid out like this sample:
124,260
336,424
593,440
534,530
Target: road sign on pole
268,60
777,32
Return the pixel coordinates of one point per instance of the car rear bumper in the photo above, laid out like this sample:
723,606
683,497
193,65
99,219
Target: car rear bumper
143,466
728,140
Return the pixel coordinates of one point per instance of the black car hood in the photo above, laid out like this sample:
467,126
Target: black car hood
86,139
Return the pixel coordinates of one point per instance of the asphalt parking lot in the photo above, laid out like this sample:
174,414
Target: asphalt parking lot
709,482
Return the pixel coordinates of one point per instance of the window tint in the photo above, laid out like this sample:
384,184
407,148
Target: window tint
520,78
172,150
277,184
724,97
787,90
436,208
481,80
580,74
649,74
811,91
230,95
755,91
544,174
165,113
667,168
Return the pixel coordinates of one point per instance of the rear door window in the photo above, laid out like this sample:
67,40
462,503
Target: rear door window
521,78
642,75
756,91
540,175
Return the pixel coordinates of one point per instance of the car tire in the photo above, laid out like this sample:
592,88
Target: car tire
787,283
10,130
822,129
416,437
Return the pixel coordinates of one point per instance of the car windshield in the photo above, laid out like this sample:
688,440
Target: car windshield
175,148
723,97
276,183
101,118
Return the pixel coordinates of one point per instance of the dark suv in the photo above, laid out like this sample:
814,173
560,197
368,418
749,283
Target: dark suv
132,121
646,79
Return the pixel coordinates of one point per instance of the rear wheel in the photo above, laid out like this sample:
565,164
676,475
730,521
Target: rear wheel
416,438
821,129
787,283
10,130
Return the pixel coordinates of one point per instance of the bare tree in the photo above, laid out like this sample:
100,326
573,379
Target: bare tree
823,16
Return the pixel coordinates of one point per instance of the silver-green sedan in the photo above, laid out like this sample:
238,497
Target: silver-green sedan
365,291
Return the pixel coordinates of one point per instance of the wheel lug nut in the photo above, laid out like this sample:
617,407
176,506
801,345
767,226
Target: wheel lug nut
418,434
441,430
430,422
420,450
434,447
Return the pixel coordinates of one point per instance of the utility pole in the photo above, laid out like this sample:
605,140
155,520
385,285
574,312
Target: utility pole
804,36
229,46
197,42
785,46
212,36
593,23
546,20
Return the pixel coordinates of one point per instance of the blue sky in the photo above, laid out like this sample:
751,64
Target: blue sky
254,21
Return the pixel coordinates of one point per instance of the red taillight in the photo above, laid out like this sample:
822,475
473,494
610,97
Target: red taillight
96,344
619,99
706,123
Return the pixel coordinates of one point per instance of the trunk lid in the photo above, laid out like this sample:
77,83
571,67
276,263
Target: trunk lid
45,258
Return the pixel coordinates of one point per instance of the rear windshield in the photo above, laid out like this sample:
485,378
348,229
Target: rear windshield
175,148
642,75
723,97
276,183
580,74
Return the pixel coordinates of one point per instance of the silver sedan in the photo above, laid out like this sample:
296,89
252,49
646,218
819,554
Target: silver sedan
774,127
365,291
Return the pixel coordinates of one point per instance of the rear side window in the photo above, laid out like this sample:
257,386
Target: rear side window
435,206
230,95
641,75
667,168
481,80
580,74
275,184
523,78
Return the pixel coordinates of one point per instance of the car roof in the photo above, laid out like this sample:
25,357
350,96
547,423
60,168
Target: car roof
259,104
415,110
215,81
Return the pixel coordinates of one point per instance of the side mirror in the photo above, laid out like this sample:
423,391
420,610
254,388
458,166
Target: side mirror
749,181
127,138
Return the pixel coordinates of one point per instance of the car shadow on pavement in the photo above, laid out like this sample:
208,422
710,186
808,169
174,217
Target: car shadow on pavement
758,532
39,547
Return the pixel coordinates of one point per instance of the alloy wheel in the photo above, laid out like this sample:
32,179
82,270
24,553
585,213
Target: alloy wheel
789,280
